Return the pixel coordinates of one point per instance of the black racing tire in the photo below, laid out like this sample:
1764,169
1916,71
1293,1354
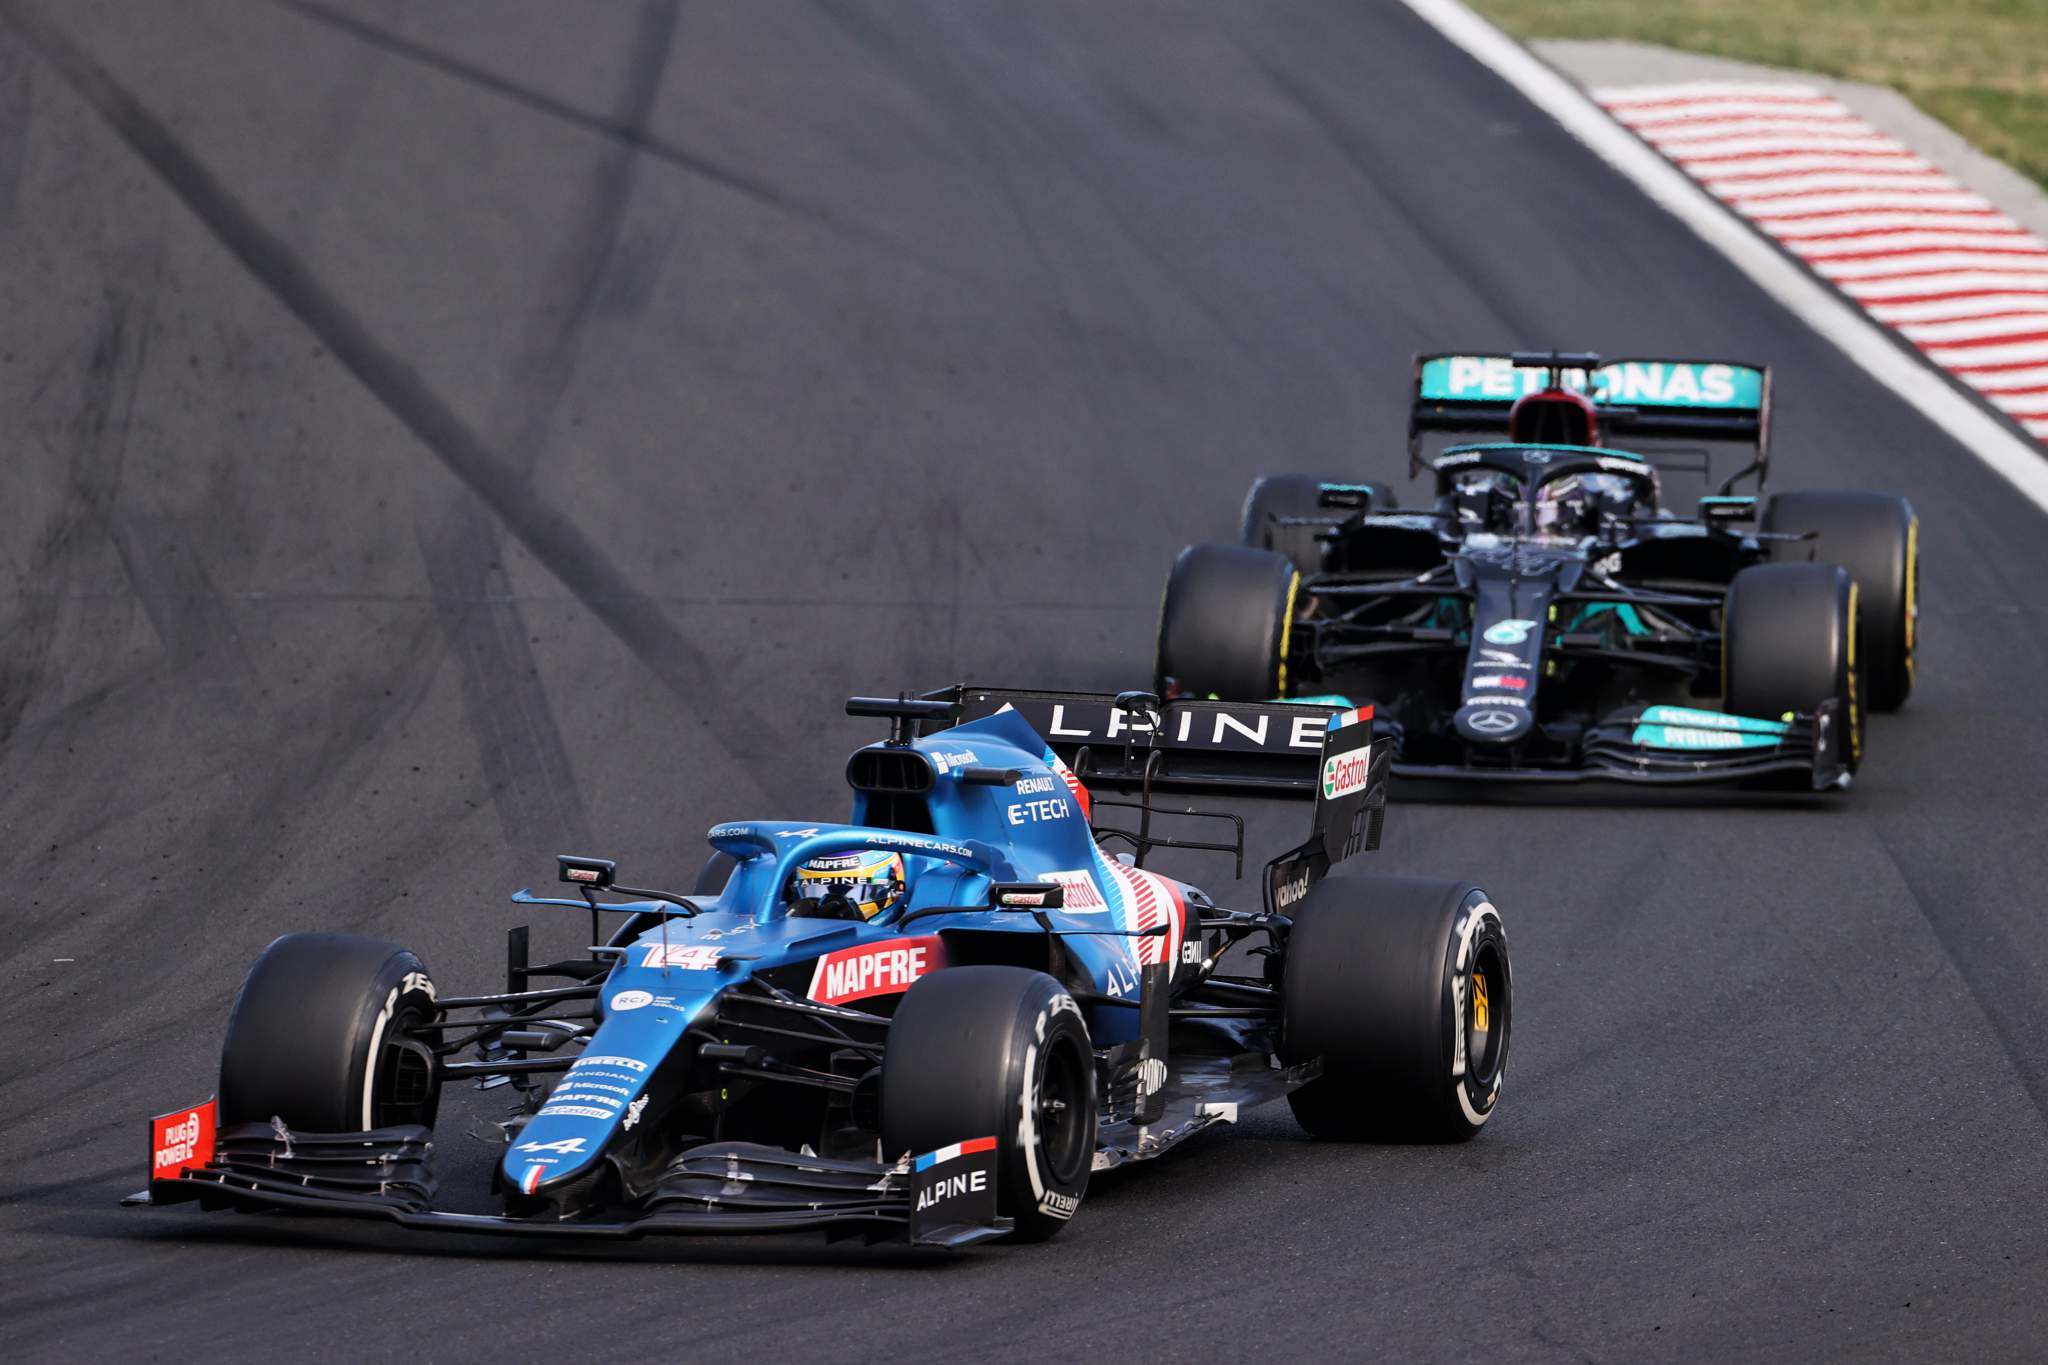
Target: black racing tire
319,1037
1294,495
1401,985
1876,537
1002,1050
1788,643
1226,623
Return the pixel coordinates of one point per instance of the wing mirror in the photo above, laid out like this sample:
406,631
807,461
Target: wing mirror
596,873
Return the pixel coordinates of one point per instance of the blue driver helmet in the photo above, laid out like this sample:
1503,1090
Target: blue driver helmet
858,885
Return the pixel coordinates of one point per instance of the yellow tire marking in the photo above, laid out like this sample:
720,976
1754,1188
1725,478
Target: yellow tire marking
1912,594
1287,631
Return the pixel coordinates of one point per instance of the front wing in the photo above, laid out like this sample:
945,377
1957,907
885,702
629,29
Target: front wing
944,1198
1674,746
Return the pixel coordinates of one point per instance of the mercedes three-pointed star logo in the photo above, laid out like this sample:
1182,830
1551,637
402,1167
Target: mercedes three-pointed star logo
1492,722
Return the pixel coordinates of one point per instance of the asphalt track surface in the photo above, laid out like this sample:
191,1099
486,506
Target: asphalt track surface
437,437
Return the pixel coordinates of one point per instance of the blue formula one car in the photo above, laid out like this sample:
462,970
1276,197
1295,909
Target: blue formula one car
931,1023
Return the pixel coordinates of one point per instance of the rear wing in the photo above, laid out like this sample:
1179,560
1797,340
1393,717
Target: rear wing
1132,741
1661,399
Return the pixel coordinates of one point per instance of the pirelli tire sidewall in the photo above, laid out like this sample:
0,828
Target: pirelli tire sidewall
1402,987
316,1034
975,1051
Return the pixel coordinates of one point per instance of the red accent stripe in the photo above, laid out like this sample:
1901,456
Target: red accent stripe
973,1145
1858,234
1773,153
1618,100
2021,245
1730,107
1857,211
1764,201
1981,343
1805,248
1740,182
1963,369
1974,292
1936,273
1904,324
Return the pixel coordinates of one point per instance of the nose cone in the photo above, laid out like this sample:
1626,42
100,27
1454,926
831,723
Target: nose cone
1491,723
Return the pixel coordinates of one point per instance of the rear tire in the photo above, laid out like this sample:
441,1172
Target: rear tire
1789,643
1876,537
1226,623
318,1037
1401,986
1293,495
975,1051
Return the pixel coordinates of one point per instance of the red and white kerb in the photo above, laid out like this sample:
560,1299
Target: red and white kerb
1936,262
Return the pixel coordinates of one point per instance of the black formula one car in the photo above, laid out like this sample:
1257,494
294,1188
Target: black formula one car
931,1023
1548,618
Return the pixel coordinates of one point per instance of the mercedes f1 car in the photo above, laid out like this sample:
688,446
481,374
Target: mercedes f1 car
932,1023
1548,618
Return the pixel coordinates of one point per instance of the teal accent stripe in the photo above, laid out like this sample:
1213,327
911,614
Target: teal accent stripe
1680,737
1711,720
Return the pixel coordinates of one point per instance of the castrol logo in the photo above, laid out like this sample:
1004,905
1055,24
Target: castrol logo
1344,774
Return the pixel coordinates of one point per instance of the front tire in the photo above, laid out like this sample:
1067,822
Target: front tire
1876,537
1226,624
975,1051
1401,986
1788,643
319,1037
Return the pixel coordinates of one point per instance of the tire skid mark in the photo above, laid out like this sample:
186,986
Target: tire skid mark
639,138
544,373
17,104
98,441
562,547
191,620
526,764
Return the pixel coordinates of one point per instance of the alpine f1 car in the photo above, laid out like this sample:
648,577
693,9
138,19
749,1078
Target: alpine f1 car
1548,618
932,1023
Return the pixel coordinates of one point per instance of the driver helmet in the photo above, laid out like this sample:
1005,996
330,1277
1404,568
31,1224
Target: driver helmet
1573,504
858,885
